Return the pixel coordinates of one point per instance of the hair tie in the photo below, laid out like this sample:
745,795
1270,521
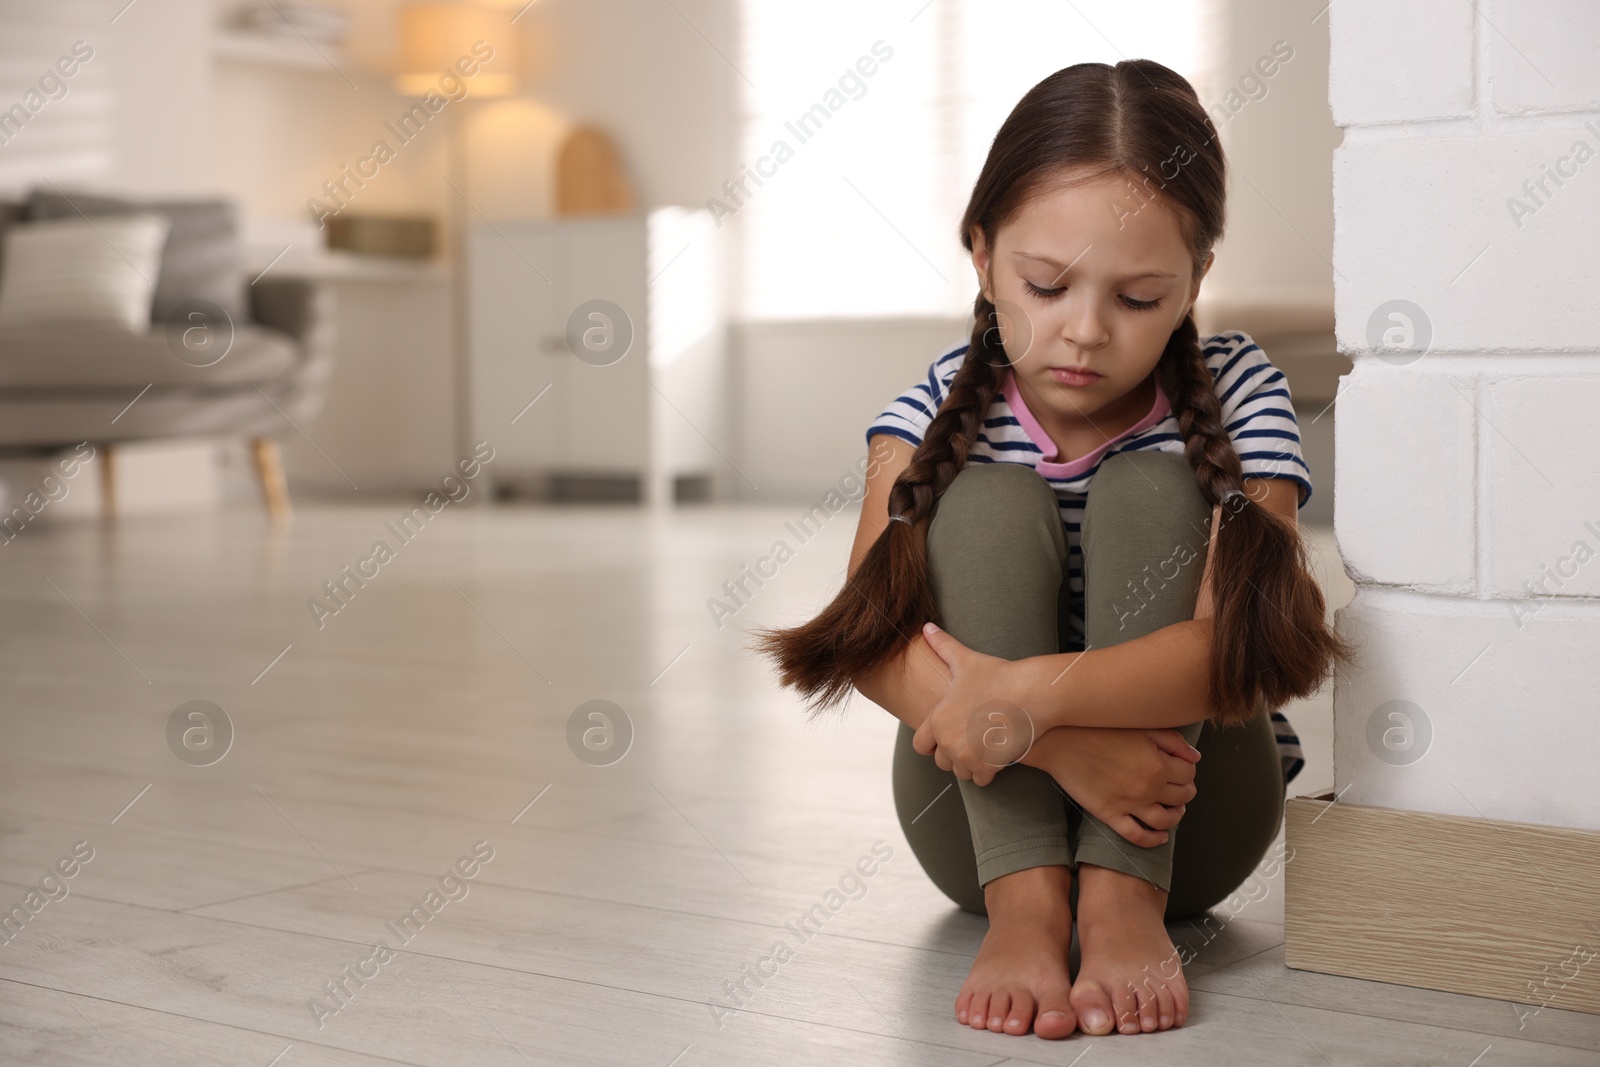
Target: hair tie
901,518
1230,494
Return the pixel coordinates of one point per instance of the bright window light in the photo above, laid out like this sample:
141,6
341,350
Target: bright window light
865,125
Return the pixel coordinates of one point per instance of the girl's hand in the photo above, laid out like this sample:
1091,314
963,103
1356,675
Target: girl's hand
1137,782
976,729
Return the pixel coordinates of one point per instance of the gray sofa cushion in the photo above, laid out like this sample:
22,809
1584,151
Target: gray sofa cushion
45,421
58,359
201,260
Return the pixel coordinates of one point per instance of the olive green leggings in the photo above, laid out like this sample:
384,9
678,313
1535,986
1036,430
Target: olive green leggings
997,561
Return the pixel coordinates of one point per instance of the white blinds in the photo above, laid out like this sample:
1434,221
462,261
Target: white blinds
52,125
858,216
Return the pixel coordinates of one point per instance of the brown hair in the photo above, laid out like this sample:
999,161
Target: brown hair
1270,643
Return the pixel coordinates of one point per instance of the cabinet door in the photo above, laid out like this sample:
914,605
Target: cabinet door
527,281
516,309
604,409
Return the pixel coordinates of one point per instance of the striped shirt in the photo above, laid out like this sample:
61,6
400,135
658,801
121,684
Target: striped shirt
1257,412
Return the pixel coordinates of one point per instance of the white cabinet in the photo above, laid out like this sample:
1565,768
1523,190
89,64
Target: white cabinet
596,354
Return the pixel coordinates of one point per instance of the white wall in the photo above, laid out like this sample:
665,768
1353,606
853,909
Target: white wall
161,54
1279,143
1469,477
807,391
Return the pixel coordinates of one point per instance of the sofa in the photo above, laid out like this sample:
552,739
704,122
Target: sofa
221,358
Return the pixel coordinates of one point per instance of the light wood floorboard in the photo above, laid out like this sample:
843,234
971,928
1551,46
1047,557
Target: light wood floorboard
430,713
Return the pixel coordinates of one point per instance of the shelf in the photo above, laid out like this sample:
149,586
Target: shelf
274,50
324,266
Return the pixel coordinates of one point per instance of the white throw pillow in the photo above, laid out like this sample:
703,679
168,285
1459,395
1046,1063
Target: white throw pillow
82,272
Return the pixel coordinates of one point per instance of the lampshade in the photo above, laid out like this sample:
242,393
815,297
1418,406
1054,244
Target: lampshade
435,37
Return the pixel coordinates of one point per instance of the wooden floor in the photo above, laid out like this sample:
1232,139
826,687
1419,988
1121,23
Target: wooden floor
430,714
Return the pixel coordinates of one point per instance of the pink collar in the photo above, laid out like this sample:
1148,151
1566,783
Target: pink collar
1083,464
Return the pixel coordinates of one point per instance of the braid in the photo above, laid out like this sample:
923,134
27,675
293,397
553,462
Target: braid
1193,392
954,429
822,658
1270,642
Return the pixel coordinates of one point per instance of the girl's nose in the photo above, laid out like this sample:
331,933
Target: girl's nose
1085,323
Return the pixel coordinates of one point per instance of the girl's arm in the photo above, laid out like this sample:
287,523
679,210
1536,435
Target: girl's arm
1158,680
910,684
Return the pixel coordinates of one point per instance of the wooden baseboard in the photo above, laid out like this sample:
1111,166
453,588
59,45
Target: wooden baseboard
1467,905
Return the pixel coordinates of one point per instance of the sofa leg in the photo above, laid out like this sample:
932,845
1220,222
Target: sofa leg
269,469
108,482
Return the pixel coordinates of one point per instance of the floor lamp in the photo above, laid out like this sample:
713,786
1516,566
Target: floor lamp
442,49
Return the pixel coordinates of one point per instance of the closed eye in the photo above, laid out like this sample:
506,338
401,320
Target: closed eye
1128,301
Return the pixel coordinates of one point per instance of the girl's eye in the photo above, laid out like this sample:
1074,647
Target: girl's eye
1128,301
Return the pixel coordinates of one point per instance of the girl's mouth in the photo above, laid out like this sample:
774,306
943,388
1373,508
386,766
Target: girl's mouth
1070,376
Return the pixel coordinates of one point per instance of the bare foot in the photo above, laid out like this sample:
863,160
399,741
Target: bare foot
1020,976
1130,978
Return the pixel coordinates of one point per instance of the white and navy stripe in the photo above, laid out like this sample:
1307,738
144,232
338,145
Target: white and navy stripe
1288,747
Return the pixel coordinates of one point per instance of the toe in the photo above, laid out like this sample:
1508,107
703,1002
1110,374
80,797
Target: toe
1125,1006
1149,1007
978,1010
999,1005
1164,1008
963,1002
1092,1007
1056,1018
1020,1016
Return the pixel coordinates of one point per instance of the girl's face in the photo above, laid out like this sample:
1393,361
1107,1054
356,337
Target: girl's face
1094,277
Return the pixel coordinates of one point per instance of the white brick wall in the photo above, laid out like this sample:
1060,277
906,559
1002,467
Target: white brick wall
1407,530
1543,472
1396,62
1544,59
1502,715
1435,226
1467,292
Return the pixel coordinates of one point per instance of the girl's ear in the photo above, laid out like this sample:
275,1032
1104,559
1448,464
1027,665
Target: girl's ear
1194,290
981,262
1211,257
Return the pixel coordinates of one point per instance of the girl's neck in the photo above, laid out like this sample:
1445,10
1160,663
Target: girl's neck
1076,434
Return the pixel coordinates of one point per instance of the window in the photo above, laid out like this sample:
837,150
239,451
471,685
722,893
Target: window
865,125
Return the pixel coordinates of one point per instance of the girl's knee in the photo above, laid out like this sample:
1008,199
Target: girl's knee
1139,482
992,504
1004,484
1139,470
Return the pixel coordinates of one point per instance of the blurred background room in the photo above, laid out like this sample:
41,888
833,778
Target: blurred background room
811,296
393,385
386,219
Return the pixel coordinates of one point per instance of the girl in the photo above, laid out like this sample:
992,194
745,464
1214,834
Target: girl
1085,643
